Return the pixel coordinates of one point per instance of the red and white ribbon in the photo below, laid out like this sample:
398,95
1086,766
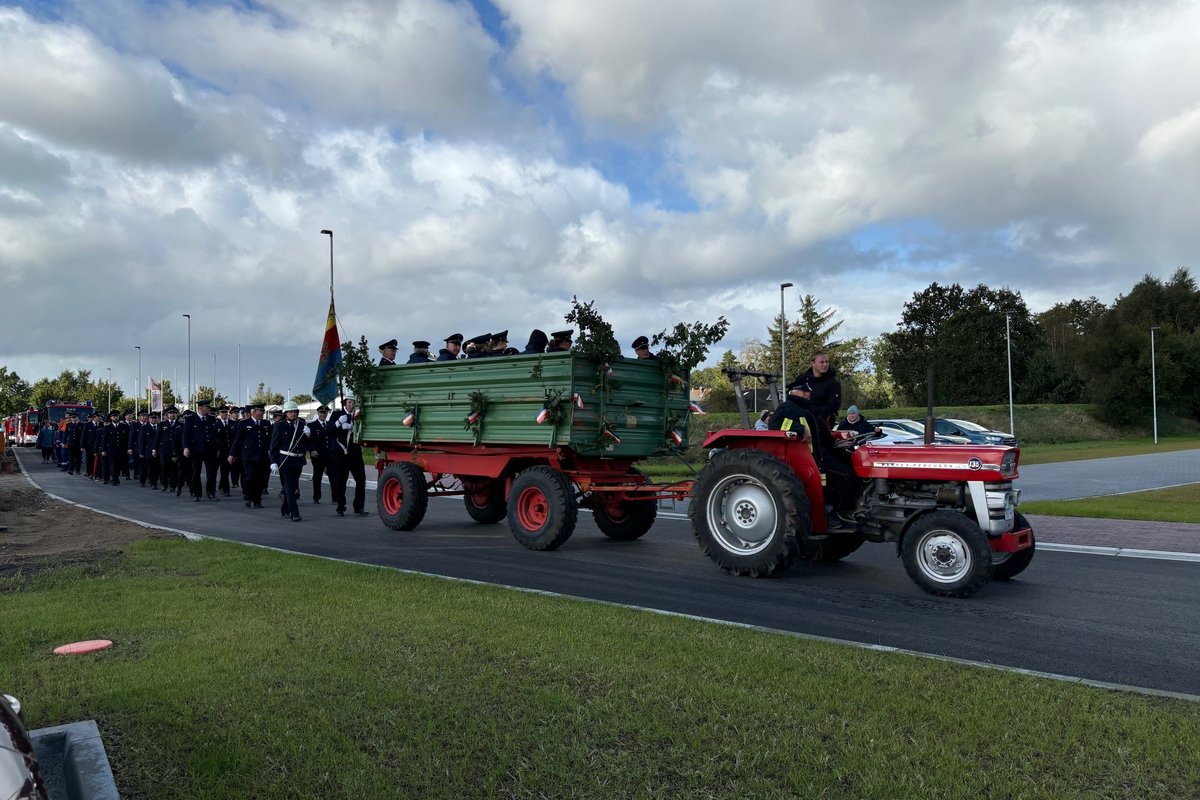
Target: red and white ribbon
473,417
410,418
578,401
542,415
696,409
612,436
676,437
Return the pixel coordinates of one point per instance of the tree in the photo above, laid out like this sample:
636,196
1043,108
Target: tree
962,334
811,332
301,399
14,393
206,393
77,386
1115,360
265,396
718,391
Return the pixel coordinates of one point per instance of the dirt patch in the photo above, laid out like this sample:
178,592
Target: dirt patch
43,532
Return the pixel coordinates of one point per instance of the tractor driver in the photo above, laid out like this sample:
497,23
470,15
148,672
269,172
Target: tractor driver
796,413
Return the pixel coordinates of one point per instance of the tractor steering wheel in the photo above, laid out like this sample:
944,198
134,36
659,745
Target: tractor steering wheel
857,440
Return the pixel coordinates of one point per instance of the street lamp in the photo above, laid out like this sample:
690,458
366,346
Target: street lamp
109,390
1008,340
138,395
329,233
783,339
1153,384
189,319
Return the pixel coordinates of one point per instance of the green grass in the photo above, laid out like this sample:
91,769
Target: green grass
1077,451
1179,504
240,672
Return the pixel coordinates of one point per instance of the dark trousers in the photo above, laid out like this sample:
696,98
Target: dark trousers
152,470
183,474
341,468
223,471
115,460
76,459
47,454
207,462
253,480
87,463
318,472
166,469
289,478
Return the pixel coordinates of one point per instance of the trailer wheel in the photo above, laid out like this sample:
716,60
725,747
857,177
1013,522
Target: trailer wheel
484,500
945,553
627,520
400,496
541,508
832,547
1006,566
749,513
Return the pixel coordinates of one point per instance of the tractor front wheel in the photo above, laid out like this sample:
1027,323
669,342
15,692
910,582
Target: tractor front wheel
749,513
1006,566
945,553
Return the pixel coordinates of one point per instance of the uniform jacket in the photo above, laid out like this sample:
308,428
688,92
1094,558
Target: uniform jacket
251,440
318,436
74,433
340,434
202,435
289,440
385,362
418,358
164,437
796,413
116,438
446,355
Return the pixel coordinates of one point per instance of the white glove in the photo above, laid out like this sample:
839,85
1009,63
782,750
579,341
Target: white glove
304,430
346,424
274,468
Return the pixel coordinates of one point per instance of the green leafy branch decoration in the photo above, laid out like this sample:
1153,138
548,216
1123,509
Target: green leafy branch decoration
474,420
686,345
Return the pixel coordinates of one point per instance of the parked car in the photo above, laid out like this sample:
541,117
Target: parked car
909,427
973,431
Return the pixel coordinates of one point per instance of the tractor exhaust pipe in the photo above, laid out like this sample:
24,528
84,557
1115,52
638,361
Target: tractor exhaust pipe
929,404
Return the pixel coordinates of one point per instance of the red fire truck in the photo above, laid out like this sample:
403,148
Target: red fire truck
22,428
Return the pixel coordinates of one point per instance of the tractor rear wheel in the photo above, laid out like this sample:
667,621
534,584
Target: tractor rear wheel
945,553
542,509
484,499
832,547
1006,566
400,497
749,513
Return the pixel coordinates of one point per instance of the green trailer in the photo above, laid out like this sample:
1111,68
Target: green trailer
529,438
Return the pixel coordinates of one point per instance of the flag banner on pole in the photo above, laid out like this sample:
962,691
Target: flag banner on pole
155,397
325,385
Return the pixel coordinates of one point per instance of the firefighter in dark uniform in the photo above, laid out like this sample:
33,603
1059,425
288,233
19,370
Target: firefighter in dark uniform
127,467
235,473
560,341
183,465
164,449
86,436
136,432
452,349
499,344
477,347
201,443
318,437
420,353
388,350
116,445
345,459
251,446
102,471
148,451
75,428
796,414
289,446
537,343
224,440
641,347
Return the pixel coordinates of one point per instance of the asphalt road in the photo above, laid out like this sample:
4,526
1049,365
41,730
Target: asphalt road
1068,480
1126,621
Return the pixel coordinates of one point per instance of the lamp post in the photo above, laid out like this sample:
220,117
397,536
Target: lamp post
1008,340
189,319
1153,384
329,233
109,411
782,339
137,395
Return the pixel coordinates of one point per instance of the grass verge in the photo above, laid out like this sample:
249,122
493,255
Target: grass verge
1179,504
1077,451
241,672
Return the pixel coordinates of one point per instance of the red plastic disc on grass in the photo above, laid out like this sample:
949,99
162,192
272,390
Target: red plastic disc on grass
74,648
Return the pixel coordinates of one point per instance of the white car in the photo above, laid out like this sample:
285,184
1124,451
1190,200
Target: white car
909,427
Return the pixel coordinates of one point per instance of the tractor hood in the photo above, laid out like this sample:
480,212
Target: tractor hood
957,462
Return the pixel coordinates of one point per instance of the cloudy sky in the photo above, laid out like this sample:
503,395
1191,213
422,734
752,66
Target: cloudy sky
481,162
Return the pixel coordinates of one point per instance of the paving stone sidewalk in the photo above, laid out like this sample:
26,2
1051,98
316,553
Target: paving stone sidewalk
1177,537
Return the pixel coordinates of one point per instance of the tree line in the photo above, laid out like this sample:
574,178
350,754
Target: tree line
77,386
1078,351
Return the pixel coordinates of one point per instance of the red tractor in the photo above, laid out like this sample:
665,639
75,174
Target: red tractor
759,504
